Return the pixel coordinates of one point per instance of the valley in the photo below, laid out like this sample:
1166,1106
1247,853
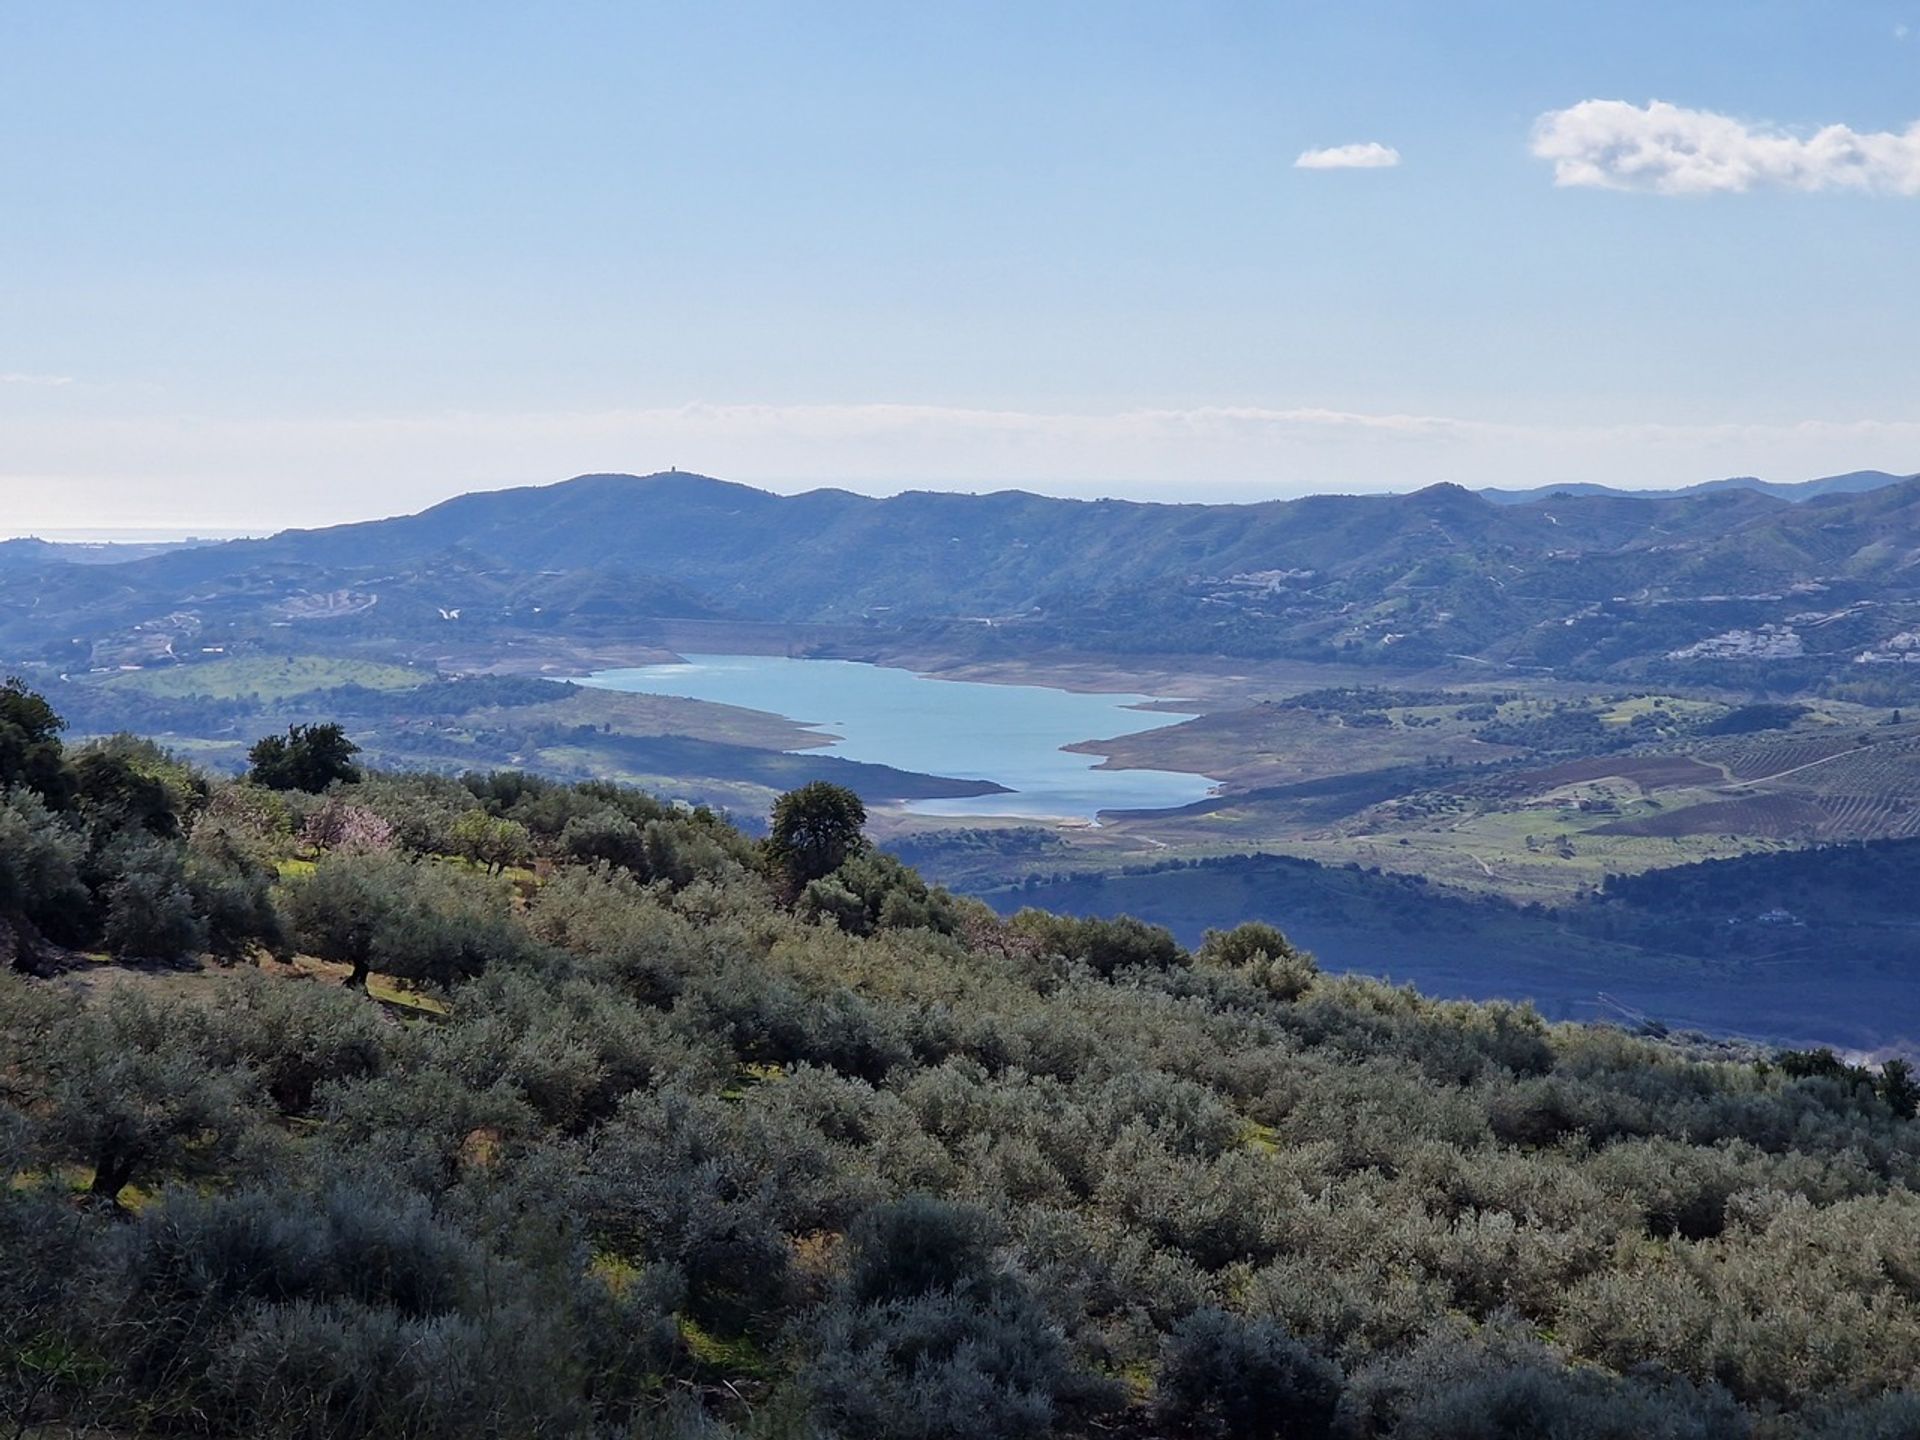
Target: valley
1414,699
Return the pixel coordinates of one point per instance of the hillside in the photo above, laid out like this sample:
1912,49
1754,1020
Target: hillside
513,1107
1707,583
1853,482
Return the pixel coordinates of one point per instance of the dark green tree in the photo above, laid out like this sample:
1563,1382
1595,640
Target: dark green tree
41,889
117,796
307,757
30,751
1226,1377
814,830
1899,1089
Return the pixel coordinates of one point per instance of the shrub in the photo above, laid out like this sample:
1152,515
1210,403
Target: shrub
930,1338
873,891
40,859
150,912
1225,1376
1106,946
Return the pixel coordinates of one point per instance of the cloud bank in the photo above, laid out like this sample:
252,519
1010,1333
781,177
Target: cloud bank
1371,155
1669,150
204,471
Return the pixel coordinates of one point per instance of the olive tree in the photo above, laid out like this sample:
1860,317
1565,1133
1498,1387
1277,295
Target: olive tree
131,1092
418,921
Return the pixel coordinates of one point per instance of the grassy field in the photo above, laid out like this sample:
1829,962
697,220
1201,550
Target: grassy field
617,712
1267,744
269,677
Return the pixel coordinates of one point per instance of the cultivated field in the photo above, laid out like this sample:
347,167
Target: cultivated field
268,677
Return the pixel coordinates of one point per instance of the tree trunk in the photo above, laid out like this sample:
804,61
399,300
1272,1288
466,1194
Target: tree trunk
110,1177
358,979
22,949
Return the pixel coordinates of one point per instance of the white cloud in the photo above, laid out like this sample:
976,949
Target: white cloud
1669,150
16,377
1371,155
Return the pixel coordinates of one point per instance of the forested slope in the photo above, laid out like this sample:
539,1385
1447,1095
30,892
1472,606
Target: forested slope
1691,585
524,1109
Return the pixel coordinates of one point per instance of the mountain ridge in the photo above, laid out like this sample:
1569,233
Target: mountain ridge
1853,482
1570,582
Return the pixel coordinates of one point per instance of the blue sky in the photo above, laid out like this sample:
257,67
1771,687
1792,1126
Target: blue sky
278,264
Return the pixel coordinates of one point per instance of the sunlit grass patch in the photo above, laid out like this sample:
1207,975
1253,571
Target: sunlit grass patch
734,1356
390,992
268,677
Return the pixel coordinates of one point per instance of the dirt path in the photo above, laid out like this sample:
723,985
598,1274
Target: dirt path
1782,774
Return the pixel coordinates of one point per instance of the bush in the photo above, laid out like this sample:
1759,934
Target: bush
40,859
1523,1404
938,1367
1224,1376
355,1312
873,891
1107,946
150,912
930,1338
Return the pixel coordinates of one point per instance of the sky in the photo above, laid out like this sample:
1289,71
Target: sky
272,265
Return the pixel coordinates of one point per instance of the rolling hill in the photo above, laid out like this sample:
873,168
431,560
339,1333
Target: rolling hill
1712,580
1852,483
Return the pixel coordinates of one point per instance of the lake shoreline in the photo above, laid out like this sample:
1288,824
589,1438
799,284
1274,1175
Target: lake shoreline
1023,741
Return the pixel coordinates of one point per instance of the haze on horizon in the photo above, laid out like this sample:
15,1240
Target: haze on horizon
270,268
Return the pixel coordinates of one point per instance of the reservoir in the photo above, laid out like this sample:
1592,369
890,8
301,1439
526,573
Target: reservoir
1009,734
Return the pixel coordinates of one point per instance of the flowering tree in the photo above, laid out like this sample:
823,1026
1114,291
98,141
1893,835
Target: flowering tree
338,825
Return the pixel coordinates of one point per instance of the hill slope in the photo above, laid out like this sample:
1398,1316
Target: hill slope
1584,585
1853,482
649,1140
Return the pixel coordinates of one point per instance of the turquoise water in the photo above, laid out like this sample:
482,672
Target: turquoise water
1010,734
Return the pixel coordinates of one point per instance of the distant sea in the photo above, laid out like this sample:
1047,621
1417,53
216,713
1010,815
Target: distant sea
132,535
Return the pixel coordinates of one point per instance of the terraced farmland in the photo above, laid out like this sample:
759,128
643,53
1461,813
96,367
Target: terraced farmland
1819,788
1760,759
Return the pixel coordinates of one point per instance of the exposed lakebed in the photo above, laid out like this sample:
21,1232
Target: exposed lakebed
1005,735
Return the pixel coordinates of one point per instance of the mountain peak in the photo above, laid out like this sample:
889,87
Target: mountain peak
1446,497
670,482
